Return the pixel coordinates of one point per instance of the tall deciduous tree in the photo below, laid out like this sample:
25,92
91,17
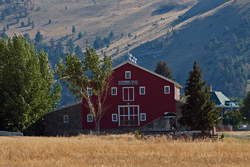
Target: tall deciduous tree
162,69
26,85
198,112
73,72
245,110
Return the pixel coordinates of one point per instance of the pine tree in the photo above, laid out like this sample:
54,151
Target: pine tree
78,51
162,69
198,112
73,29
38,37
32,25
245,110
80,35
70,46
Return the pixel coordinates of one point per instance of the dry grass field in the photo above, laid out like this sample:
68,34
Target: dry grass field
120,150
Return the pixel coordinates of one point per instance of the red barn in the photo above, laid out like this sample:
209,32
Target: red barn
138,97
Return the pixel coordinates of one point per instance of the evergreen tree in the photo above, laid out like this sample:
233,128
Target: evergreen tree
22,24
73,29
49,21
26,85
78,52
245,110
162,69
59,48
80,35
38,37
29,22
111,34
3,15
27,36
70,46
52,43
198,112
32,25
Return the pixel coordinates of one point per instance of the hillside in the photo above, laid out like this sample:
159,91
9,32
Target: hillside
177,32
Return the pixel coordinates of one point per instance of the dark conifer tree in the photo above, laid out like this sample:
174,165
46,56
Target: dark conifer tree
38,37
162,69
198,112
70,46
245,110
73,29
80,35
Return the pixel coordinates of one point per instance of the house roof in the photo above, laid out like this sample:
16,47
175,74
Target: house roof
220,100
158,75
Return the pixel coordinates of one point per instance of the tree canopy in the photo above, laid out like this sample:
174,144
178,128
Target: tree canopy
38,37
162,69
198,112
73,72
26,85
245,110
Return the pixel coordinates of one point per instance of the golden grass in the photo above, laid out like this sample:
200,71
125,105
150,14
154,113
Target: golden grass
121,150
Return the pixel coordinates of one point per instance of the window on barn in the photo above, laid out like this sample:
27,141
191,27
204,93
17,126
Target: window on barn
127,74
113,91
114,117
129,116
128,93
66,119
166,89
142,90
89,118
89,91
143,116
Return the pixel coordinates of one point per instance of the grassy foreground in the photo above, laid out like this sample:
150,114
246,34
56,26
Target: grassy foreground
120,150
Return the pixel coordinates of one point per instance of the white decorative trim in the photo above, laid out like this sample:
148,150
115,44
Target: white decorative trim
166,89
89,118
113,88
143,116
114,120
127,74
128,93
119,113
142,92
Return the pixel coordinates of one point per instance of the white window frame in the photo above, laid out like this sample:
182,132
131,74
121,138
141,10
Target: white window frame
114,88
129,73
89,91
165,92
114,120
120,114
88,116
143,114
128,93
65,119
140,92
